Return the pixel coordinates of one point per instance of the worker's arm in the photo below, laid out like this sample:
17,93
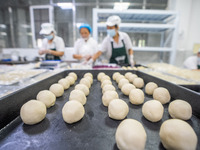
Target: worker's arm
130,51
95,56
56,53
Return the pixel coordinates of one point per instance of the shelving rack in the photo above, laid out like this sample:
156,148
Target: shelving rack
143,21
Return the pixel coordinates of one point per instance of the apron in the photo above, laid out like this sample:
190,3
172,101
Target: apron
119,55
51,57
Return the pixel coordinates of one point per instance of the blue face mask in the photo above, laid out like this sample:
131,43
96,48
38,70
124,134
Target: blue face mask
49,37
111,32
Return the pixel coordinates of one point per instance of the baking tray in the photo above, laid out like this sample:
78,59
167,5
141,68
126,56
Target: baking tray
96,130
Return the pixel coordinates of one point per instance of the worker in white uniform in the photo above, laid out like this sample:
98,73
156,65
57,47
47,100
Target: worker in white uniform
52,45
193,62
116,46
85,47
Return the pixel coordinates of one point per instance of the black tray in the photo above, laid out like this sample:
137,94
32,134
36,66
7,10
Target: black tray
96,130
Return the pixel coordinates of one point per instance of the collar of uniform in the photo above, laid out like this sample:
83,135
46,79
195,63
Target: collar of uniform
120,37
84,40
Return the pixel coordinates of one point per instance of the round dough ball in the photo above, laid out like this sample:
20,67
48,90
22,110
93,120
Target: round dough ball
100,75
161,94
65,83
57,89
88,74
136,96
105,82
108,96
130,135
150,87
178,135
78,95
70,79
118,109
128,74
47,97
131,77
122,82
86,82
114,76
83,88
138,82
106,77
108,87
153,110
72,74
33,112
72,111
90,79
180,109
126,88
119,77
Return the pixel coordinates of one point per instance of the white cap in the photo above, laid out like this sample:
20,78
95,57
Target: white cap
113,20
47,28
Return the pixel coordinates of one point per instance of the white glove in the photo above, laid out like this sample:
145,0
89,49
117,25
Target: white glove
90,61
132,60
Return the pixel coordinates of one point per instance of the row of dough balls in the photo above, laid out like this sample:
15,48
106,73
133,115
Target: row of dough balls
73,110
34,111
117,108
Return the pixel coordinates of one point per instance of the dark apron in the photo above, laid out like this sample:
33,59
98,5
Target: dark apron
51,57
119,55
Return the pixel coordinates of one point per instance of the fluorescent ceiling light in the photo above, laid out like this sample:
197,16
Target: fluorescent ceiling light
121,6
2,26
65,5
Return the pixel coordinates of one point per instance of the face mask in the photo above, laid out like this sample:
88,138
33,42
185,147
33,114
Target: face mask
49,37
111,32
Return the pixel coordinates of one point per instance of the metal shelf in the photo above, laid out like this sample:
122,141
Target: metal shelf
155,49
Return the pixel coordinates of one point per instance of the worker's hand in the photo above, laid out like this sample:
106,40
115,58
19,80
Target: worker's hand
87,57
90,62
41,52
132,60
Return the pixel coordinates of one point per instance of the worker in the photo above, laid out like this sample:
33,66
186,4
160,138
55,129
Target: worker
193,62
116,46
85,47
52,45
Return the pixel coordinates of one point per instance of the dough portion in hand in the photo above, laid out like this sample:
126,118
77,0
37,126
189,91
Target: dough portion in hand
83,88
78,95
180,109
57,89
72,111
108,96
136,96
126,88
153,110
138,82
33,112
130,135
118,109
161,94
150,87
65,83
47,97
178,135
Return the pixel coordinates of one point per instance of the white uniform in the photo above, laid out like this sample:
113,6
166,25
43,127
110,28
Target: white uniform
106,47
57,44
191,62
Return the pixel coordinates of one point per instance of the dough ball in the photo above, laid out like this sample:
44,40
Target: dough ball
131,77
130,135
106,77
105,82
114,76
108,87
83,88
86,82
118,109
72,111
78,95
108,96
57,89
100,75
136,96
72,74
178,135
65,83
128,74
33,112
153,110
47,97
122,82
119,77
138,82
150,87
161,94
88,74
126,88
90,79
180,109
70,79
